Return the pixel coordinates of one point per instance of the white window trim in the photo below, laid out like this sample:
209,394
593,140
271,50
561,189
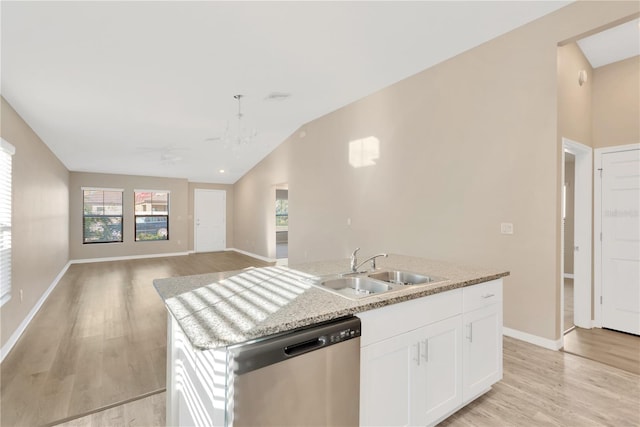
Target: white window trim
6,203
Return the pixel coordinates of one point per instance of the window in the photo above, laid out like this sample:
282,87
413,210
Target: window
282,212
6,153
102,215
151,215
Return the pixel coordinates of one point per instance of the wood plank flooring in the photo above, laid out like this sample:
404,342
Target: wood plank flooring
99,339
540,387
568,304
146,412
545,387
609,347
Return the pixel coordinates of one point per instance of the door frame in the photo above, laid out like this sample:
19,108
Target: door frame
597,225
195,219
582,227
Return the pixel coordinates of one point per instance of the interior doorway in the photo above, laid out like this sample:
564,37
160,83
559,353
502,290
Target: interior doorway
568,203
576,297
282,223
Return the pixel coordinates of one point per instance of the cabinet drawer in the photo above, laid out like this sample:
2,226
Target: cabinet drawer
395,319
481,295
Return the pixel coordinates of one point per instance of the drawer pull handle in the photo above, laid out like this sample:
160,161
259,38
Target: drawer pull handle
425,350
488,296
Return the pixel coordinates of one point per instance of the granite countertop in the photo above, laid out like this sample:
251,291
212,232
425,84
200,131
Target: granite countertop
221,309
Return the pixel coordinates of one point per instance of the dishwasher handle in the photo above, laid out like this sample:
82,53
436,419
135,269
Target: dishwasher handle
247,357
305,346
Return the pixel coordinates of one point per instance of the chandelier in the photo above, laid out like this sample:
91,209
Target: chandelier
239,136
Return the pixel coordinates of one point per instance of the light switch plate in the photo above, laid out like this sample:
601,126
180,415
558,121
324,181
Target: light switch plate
506,228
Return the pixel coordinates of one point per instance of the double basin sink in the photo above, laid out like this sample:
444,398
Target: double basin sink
361,285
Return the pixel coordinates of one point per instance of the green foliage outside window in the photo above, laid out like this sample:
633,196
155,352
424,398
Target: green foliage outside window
282,213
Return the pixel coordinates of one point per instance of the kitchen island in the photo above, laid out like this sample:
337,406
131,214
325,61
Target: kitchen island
210,312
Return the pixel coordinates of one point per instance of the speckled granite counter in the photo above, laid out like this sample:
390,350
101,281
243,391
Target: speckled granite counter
221,309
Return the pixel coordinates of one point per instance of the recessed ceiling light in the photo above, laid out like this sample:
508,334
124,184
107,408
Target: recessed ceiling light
221,171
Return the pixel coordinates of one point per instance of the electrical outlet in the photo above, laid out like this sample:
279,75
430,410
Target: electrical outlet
506,228
21,295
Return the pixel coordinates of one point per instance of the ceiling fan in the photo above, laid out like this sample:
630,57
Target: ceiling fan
168,156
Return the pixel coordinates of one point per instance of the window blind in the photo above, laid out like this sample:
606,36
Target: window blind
6,152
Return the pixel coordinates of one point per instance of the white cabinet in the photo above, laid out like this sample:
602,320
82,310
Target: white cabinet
423,359
412,378
438,382
386,369
482,348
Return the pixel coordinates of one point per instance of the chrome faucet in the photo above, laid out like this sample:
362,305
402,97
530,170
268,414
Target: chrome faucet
354,261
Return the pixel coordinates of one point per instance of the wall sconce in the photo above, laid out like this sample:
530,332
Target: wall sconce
582,77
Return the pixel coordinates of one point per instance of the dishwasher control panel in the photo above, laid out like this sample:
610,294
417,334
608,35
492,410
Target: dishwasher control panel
344,334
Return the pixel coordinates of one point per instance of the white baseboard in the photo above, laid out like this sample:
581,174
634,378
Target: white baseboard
532,339
260,257
6,348
123,258
568,275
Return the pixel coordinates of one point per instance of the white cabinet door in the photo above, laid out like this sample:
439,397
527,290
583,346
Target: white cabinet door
437,384
482,350
413,378
385,372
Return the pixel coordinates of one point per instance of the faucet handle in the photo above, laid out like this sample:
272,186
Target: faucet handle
373,260
354,260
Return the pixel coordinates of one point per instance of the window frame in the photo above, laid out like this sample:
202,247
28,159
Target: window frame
151,215
6,219
85,216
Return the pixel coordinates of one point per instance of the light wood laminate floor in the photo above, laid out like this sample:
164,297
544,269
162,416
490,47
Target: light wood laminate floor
99,339
554,388
568,304
540,387
609,347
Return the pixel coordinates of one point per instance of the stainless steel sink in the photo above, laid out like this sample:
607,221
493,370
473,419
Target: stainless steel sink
354,287
398,277
361,285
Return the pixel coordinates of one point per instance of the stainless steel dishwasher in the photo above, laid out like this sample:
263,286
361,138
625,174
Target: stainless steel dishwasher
309,377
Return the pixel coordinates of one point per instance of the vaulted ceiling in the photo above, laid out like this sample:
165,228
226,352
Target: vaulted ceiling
147,88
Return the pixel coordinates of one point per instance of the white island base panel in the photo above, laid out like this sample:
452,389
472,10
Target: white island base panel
196,381
421,360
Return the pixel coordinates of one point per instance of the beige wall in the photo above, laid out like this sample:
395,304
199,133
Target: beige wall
254,207
40,228
616,103
178,214
464,146
229,212
574,101
574,122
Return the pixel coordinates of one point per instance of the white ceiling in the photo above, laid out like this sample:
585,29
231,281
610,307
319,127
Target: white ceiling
138,87
612,45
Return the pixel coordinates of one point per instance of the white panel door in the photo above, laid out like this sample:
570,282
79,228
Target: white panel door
210,228
482,351
621,241
437,382
385,376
